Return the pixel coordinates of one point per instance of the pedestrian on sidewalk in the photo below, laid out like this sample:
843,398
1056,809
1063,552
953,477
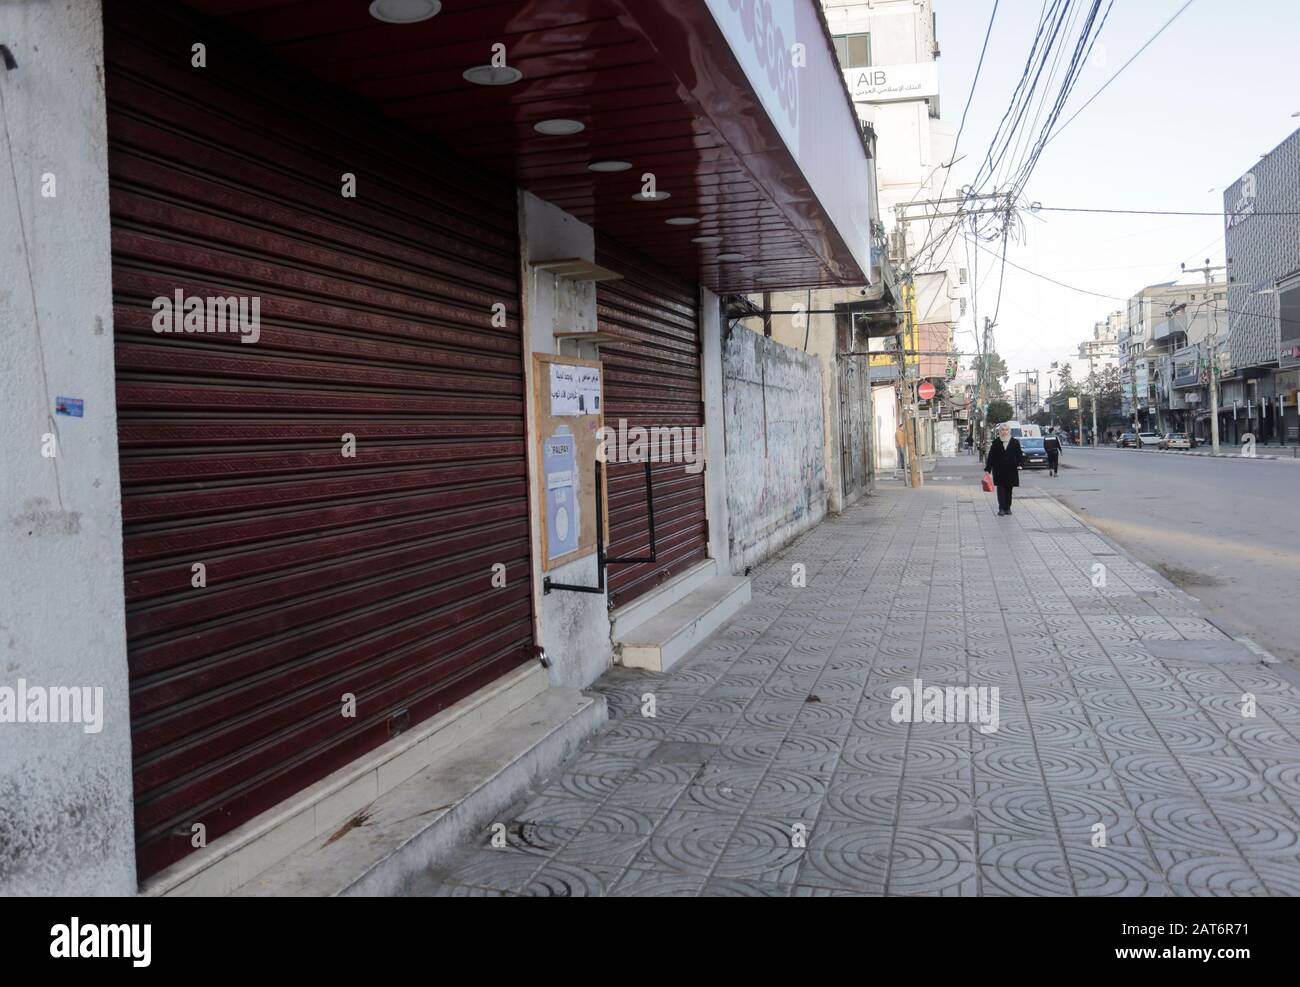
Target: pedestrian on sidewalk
1053,446
1003,463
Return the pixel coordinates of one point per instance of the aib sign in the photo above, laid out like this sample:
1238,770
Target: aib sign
889,83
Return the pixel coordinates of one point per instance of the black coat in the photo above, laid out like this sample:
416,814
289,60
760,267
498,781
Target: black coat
1004,462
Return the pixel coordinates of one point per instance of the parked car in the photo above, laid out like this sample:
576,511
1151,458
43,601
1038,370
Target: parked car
1035,454
1148,439
1127,439
1176,440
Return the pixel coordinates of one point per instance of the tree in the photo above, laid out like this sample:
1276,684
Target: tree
1000,411
1111,397
997,368
1065,389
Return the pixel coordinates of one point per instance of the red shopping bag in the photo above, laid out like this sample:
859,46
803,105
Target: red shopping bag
988,483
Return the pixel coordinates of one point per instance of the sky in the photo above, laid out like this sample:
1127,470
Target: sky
1186,119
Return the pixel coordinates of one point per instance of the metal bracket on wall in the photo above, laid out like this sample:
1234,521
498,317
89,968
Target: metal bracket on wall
650,518
548,584
602,561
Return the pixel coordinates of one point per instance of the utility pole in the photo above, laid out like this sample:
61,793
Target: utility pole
1051,394
983,372
1213,361
1027,403
927,211
1133,392
1079,401
1092,386
908,391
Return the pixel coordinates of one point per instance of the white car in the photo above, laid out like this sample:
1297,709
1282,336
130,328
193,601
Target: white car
1176,440
1148,439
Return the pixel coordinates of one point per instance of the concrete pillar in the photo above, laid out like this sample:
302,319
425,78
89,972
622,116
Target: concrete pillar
572,627
66,814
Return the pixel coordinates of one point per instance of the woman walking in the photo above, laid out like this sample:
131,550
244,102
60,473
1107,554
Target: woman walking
1003,463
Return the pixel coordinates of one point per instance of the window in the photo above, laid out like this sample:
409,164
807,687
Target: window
853,50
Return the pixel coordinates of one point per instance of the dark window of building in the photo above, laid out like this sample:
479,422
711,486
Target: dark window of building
1289,317
853,50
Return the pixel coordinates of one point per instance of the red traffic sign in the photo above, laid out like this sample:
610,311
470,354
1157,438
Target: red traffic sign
925,391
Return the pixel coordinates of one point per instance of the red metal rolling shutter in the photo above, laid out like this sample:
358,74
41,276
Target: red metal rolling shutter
651,379
325,575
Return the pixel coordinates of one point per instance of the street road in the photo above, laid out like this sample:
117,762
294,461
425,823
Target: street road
1223,530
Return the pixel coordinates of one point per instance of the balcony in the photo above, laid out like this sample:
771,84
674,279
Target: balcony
1170,330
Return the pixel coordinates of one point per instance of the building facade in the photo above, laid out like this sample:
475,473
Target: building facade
1162,320
1262,240
888,51
315,344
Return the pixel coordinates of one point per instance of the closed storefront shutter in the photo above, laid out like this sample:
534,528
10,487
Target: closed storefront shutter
652,378
271,574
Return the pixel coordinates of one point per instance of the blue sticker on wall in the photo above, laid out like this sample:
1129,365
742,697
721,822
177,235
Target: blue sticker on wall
69,406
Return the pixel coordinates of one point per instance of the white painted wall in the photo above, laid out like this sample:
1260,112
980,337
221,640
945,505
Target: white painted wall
65,794
885,408
776,475
715,442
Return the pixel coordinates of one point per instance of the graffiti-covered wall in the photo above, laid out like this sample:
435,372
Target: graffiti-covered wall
776,475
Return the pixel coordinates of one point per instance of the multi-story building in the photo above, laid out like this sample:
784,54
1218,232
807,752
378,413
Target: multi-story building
1198,329
1026,403
1262,242
1161,320
1102,350
888,50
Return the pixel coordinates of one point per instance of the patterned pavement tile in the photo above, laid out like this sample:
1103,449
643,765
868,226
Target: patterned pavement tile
775,766
730,887
679,856
658,884
569,879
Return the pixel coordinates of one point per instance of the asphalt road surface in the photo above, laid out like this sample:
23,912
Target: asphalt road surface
1224,530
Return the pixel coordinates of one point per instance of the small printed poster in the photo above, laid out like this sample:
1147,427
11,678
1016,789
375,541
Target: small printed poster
558,462
574,390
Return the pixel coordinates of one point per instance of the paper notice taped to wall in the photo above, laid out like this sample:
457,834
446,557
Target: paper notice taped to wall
574,390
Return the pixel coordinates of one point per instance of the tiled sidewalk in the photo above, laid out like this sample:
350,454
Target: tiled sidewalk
1120,722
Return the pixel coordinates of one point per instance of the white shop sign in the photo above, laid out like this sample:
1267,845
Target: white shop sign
890,83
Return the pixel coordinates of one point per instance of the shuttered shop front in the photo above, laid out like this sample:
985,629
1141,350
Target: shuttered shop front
315,515
652,379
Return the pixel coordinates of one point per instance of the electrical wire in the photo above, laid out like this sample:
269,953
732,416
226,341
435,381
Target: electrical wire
1118,298
1130,61
1155,212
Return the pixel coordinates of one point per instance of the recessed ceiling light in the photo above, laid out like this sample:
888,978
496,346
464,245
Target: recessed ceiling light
729,257
707,241
609,166
404,11
653,197
681,221
492,75
559,127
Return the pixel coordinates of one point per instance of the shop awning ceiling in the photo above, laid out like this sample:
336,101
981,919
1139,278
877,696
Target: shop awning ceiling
660,84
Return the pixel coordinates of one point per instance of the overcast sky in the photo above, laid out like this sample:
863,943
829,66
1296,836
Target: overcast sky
1215,91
